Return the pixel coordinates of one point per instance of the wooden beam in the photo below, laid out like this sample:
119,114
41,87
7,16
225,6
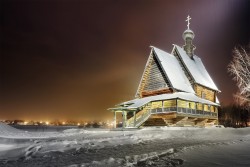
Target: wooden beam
156,92
164,115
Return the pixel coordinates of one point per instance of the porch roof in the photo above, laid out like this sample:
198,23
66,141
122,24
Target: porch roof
136,103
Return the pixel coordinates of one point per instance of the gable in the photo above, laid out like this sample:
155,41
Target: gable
153,77
156,79
195,68
173,71
163,71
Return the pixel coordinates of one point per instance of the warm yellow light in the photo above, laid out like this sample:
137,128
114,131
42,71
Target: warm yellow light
25,123
78,124
63,123
47,123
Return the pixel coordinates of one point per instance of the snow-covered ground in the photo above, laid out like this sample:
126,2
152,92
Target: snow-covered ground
226,154
154,146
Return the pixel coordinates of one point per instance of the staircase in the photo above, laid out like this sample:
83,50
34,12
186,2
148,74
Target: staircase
141,117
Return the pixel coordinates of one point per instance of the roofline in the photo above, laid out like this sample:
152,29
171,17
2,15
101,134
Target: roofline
215,104
154,53
137,92
189,71
171,85
135,108
183,62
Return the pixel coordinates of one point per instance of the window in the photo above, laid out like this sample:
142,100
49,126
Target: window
203,95
156,104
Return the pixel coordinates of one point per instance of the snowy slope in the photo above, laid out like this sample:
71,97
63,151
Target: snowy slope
7,131
100,147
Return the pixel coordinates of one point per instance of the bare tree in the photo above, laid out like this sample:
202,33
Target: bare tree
239,68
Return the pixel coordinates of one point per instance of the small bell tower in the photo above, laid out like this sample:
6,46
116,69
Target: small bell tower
188,36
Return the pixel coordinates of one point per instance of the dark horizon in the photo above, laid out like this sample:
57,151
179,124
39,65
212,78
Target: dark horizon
74,59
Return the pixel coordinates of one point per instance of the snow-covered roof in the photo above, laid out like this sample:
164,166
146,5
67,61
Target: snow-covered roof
196,69
180,95
173,70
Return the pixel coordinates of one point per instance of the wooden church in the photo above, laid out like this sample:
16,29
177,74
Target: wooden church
175,90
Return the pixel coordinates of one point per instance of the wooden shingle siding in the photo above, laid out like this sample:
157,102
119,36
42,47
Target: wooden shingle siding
145,76
155,79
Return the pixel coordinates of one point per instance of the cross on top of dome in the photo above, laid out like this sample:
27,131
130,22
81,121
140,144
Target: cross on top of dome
188,20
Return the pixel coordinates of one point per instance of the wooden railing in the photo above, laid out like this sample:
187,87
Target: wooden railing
141,117
197,112
145,113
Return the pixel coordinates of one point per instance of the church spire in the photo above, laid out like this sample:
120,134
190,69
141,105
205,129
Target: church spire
188,36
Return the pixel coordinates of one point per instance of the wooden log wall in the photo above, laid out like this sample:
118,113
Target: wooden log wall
209,94
182,104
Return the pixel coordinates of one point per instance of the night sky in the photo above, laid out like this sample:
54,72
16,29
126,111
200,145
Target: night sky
74,59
